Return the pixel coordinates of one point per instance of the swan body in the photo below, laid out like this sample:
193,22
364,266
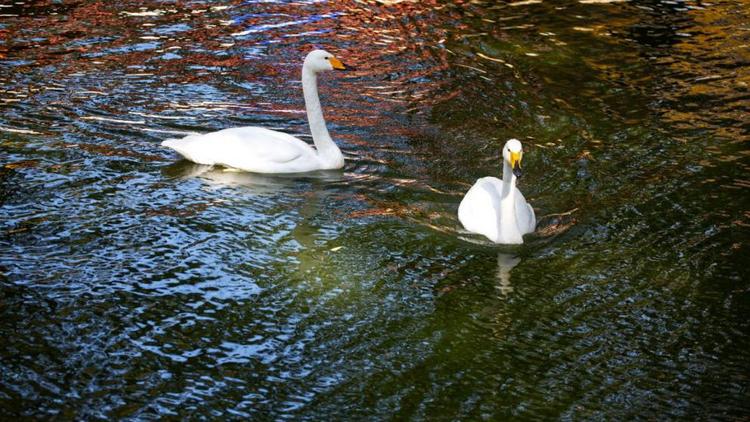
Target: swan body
496,208
253,149
261,150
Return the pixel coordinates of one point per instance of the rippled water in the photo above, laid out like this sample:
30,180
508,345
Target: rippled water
133,285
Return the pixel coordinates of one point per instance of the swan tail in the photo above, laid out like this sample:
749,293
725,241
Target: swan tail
188,149
168,142
171,142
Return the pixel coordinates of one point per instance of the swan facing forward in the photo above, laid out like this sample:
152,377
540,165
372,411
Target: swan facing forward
496,208
261,150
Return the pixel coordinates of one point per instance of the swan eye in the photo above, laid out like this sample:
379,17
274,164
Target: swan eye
328,57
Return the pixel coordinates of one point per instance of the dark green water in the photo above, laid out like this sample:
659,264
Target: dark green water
135,286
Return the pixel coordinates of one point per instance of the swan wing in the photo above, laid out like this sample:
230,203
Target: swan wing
525,217
247,148
479,211
532,220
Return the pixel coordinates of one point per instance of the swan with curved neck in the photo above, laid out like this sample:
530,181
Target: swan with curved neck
496,208
260,150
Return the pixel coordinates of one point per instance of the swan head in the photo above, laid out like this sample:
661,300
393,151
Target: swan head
321,60
512,154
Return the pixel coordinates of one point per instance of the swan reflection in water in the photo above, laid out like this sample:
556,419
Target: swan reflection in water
259,183
505,263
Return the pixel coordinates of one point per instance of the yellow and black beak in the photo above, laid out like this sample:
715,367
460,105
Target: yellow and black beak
515,163
338,65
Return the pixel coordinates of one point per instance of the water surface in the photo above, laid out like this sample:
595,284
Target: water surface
134,285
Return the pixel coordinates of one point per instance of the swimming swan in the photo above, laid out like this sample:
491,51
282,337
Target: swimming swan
496,208
261,150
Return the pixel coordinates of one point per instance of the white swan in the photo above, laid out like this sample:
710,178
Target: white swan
261,150
496,208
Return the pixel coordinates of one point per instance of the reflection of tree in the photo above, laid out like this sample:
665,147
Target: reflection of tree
405,41
696,61
94,45
709,74
104,35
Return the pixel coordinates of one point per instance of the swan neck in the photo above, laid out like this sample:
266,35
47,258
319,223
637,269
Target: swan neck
509,222
323,142
509,179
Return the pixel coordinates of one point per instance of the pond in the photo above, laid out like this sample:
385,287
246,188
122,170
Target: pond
136,285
